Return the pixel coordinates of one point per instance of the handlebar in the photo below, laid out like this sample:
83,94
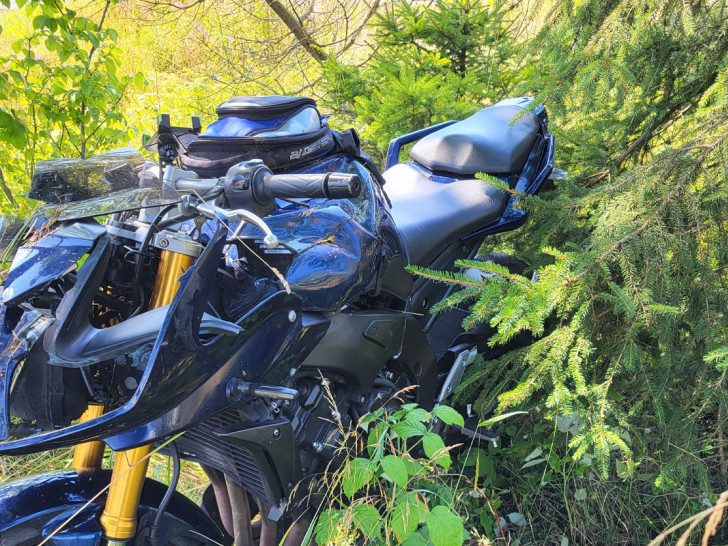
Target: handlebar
265,185
324,185
201,186
250,187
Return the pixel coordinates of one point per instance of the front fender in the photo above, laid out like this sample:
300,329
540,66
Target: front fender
37,506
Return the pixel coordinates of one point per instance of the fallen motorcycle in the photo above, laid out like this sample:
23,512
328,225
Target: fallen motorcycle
236,304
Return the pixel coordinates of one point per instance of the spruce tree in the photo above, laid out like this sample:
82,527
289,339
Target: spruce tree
629,308
428,62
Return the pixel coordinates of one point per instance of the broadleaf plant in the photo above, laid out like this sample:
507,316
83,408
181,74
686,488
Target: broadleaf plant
391,485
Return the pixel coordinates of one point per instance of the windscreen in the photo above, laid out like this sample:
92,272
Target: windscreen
83,188
64,179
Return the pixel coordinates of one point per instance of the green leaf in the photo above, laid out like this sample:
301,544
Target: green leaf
434,448
438,493
409,429
358,474
413,467
533,462
517,519
415,540
480,459
375,440
472,456
493,420
327,525
110,67
625,469
448,416
535,453
405,517
12,130
370,417
40,21
418,414
367,518
446,528
395,469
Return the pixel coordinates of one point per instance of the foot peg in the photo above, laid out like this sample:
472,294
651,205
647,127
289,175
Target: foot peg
472,430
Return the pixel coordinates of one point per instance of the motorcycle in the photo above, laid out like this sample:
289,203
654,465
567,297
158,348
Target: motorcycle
234,305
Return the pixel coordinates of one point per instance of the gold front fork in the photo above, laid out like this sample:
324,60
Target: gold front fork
119,521
89,456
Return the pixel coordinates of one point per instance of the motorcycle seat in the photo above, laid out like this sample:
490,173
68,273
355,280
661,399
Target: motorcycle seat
493,140
432,214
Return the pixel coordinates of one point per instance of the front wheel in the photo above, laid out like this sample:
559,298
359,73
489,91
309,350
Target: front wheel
32,509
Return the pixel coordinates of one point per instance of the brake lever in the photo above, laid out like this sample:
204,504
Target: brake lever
213,212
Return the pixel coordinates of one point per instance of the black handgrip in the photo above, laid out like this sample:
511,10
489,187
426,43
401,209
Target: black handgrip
325,185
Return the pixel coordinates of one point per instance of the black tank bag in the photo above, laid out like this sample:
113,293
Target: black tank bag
282,131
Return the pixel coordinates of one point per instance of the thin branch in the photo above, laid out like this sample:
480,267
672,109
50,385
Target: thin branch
6,191
301,34
687,178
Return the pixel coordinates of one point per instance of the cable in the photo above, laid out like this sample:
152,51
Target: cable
167,496
153,227
89,388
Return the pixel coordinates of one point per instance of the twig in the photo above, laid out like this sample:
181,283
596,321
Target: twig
699,516
6,191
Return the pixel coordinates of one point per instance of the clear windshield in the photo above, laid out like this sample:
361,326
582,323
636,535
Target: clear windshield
116,202
104,184
64,179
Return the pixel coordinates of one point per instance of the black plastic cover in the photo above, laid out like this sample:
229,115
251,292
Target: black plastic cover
262,108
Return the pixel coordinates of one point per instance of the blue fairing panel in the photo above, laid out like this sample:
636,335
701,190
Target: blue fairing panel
40,505
337,244
41,262
185,379
19,331
336,259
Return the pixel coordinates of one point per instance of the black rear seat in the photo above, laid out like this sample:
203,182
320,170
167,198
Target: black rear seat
488,141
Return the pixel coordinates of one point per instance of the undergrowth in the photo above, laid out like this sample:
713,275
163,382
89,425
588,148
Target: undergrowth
192,480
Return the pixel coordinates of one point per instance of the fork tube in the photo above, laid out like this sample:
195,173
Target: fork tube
89,455
171,266
119,520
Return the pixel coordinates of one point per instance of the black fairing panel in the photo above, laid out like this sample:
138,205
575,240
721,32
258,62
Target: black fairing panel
379,337
494,140
430,214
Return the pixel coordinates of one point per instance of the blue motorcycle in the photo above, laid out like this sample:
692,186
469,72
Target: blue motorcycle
239,303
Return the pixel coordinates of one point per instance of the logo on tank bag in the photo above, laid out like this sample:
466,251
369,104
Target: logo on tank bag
311,148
